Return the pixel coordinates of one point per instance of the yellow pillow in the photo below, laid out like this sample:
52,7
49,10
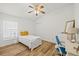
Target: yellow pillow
25,33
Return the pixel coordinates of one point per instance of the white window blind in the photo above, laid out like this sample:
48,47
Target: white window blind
9,29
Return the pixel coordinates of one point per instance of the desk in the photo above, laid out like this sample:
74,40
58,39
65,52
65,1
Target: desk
70,36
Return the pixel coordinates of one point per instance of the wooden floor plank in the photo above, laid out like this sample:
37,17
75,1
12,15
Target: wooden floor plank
46,49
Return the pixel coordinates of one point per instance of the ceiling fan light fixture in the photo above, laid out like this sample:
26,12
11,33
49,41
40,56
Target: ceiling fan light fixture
38,9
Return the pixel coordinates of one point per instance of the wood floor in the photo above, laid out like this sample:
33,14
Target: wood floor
46,49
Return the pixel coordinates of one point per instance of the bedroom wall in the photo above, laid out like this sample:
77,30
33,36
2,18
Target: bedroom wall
53,23
76,14
0,28
23,25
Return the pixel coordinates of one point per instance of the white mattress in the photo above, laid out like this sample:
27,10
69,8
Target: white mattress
30,37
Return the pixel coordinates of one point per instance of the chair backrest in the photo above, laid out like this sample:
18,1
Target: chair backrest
61,49
58,41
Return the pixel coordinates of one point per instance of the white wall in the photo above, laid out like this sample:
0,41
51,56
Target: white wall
76,13
51,24
0,27
7,42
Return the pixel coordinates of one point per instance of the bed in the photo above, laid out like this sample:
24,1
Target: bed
31,41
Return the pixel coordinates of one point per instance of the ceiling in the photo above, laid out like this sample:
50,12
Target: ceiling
21,9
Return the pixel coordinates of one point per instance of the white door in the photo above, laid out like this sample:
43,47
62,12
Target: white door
9,29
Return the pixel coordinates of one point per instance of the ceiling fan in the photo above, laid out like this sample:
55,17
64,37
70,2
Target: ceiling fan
39,8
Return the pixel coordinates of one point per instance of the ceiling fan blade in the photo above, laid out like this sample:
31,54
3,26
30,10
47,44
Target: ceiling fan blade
30,11
31,7
42,12
41,6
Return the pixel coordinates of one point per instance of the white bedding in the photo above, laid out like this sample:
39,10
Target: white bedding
30,37
31,41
